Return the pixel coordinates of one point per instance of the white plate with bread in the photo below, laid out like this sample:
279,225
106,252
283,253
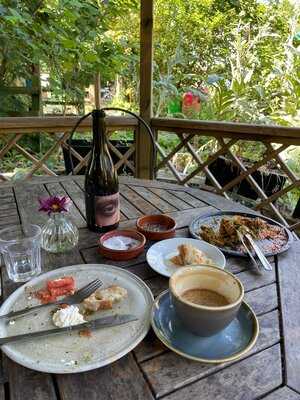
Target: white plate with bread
166,256
73,352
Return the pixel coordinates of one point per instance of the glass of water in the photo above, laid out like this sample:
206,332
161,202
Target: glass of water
21,251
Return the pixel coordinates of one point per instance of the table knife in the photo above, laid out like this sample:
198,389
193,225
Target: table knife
105,322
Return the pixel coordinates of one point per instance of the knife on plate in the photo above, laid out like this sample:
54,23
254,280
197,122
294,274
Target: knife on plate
105,322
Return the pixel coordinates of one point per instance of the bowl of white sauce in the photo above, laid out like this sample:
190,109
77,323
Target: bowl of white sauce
121,244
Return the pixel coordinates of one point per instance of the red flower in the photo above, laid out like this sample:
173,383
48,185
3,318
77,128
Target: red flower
55,204
188,99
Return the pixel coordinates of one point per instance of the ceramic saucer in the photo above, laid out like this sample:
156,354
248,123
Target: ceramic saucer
228,345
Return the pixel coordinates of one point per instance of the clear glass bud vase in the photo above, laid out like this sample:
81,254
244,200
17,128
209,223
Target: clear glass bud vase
59,234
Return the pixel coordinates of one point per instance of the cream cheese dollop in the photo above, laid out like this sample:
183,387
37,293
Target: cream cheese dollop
67,317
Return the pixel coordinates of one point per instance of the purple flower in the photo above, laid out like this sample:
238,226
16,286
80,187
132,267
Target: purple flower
55,204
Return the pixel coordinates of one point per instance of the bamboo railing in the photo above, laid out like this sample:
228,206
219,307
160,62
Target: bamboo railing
274,139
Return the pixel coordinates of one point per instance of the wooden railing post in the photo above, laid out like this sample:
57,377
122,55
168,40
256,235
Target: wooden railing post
36,103
144,158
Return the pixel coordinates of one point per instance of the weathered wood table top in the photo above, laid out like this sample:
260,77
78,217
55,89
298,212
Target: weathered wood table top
272,368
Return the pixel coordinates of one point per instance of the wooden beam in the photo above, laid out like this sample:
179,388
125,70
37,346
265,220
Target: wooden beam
144,153
12,90
58,124
267,133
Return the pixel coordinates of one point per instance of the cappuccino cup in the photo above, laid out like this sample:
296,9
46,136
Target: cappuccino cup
206,299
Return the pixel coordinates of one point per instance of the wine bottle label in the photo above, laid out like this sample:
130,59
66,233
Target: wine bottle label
107,210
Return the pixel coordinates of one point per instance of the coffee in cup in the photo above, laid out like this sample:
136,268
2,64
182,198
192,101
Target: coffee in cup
205,298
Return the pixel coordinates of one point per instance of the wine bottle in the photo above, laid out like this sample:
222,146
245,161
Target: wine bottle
101,182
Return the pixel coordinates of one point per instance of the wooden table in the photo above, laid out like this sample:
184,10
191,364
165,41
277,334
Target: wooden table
270,371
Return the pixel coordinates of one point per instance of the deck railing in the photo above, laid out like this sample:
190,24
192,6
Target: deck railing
58,130
180,138
225,138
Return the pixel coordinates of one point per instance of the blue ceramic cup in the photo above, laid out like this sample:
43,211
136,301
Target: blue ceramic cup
203,319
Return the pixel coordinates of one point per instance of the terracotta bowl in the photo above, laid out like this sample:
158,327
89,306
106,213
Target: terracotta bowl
168,223
122,255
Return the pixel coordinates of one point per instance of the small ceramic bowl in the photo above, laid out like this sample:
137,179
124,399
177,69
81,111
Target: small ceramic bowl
167,224
122,255
204,320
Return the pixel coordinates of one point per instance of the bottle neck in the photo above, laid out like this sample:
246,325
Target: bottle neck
99,129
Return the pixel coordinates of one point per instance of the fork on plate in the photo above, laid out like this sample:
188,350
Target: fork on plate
75,298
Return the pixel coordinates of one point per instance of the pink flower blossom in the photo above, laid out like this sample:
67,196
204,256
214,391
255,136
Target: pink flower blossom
55,204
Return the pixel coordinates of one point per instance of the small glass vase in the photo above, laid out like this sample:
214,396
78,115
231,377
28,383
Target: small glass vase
59,234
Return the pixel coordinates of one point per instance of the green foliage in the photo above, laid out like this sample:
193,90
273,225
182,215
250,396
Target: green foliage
71,39
250,47
14,105
293,159
168,140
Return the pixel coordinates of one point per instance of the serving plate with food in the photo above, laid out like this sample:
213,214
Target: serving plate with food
224,229
121,294
166,256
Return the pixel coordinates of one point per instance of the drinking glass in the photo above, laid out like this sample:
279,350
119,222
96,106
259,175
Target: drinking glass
21,250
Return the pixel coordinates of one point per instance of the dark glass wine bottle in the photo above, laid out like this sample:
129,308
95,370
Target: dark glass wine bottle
101,182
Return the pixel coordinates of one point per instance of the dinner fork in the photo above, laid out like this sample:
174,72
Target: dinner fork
75,298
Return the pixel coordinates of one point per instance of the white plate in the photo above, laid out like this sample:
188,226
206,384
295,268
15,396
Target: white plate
158,256
70,353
